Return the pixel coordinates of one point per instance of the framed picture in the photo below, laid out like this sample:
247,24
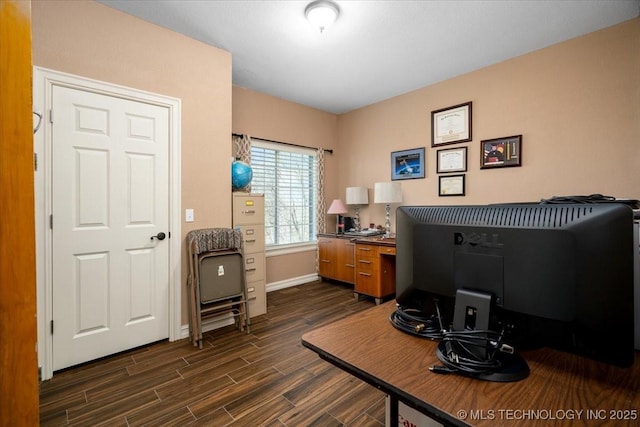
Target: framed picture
452,160
451,125
451,185
501,152
407,164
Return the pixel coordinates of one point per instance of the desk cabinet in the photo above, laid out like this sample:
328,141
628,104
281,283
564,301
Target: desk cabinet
368,264
336,258
375,270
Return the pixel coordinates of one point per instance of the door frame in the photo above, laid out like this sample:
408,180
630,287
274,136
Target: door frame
43,82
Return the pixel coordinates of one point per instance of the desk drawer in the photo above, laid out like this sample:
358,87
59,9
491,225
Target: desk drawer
366,251
366,265
387,250
367,283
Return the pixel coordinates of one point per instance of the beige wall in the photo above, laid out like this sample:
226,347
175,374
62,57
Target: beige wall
291,266
268,117
91,40
576,104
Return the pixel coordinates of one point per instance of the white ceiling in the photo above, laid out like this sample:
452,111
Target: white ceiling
376,49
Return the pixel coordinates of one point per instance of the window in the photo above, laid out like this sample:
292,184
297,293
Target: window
287,176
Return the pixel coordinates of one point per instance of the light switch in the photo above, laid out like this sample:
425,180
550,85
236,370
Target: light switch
188,215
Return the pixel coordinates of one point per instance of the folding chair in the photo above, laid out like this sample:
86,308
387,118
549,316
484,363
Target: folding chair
216,281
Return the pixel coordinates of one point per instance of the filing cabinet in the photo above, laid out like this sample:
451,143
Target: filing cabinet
248,217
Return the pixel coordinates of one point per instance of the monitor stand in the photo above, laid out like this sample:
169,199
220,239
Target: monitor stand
473,311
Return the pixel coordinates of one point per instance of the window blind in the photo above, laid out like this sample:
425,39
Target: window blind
287,177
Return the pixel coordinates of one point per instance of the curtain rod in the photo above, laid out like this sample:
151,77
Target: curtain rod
280,142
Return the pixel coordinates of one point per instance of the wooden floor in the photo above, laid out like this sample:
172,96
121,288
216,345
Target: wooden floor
263,379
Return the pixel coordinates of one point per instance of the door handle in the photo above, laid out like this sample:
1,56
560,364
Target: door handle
159,236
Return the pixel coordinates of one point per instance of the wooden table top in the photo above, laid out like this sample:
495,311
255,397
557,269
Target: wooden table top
562,389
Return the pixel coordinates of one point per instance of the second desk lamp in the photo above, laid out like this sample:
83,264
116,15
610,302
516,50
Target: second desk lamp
357,196
338,208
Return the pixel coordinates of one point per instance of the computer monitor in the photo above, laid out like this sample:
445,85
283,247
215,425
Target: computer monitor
559,275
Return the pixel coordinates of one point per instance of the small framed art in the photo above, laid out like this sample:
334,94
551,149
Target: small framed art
451,185
501,152
451,125
452,160
407,164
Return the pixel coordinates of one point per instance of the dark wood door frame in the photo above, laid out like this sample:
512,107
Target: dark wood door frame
18,333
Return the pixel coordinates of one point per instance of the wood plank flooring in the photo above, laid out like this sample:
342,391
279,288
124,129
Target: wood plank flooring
265,378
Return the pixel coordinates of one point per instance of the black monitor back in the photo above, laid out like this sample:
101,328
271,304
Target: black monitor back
563,274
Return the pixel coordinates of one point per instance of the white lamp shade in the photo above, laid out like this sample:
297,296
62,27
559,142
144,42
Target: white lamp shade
387,192
357,196
337,208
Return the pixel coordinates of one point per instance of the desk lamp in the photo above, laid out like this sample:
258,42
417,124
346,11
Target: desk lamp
337,208
357,196
387,192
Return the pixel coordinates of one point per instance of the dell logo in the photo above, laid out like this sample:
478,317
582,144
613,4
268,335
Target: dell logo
477,239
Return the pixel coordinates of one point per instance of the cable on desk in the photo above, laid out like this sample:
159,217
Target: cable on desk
471,352
414,322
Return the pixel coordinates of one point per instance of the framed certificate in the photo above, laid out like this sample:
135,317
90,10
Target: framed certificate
452,160
451,185
451,125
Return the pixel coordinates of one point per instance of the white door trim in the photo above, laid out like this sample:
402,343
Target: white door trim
43,81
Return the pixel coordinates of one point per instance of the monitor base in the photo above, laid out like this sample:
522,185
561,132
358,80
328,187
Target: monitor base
513,367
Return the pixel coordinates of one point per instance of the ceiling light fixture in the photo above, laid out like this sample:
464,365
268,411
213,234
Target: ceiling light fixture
322,14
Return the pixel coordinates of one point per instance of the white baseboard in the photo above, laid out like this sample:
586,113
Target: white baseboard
294,281
220,322
210,324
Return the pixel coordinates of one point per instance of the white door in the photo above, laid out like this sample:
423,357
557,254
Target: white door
110,195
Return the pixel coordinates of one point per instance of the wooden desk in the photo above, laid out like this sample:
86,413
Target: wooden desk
562,389
368,263
375,263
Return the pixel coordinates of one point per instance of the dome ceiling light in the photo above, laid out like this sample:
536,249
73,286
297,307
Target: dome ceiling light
322,14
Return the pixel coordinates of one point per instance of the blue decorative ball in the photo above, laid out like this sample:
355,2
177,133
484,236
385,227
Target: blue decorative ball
241,174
